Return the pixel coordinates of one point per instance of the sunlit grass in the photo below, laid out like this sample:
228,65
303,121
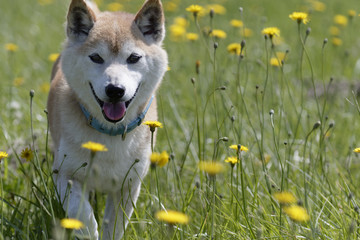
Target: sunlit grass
289,96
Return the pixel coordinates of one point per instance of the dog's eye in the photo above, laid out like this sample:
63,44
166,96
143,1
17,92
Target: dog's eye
133,58
96,58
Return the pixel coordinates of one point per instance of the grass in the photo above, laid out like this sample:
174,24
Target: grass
299,120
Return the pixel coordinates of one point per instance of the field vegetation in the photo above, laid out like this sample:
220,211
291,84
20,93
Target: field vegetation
260,120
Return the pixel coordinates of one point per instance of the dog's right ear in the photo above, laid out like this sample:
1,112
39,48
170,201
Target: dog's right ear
150,21
80,20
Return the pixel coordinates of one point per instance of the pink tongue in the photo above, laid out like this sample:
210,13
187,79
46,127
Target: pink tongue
114,111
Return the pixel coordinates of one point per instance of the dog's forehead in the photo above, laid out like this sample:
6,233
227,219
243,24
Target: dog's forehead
114,29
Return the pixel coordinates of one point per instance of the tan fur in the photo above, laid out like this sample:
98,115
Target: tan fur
78,80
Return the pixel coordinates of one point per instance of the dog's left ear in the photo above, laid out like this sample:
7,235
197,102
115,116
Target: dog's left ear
150,21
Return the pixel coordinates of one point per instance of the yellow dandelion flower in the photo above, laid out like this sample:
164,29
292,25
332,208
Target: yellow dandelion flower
163,159
334,31
242,148
336,41
357,150
297,213
299,17
11,47
177,32
172,217
340,20
277,40
318,6
351,13
18,81
280,55
53,57
71,223
271,32
94,147
234,48
285,197
170,6
114,7
231,160
247,32
153,124
267,158
45,2
3,155
159,159
236,23
45,87
168,68
192,36
217,8
154,158
327,135
218,33
98,2
210,167
195,9
275,62
197,63
180,21
27,154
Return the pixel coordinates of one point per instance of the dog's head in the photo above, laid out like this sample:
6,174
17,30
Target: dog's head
114,61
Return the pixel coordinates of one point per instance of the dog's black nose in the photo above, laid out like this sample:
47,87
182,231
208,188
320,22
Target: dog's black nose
114,92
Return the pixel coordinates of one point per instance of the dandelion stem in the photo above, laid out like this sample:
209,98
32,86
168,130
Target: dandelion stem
197,119
203,120
302,87
158,188
202,39
31,119
261,144
2,201
304,167
152,141
47,140
213,207
231,186
214,87
83,191
237,184
242,183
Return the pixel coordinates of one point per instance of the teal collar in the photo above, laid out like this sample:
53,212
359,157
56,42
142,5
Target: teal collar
116,129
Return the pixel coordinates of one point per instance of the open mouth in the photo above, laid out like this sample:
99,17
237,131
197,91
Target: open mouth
113,111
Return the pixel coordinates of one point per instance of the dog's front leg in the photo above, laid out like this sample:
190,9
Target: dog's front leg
119,208
76,204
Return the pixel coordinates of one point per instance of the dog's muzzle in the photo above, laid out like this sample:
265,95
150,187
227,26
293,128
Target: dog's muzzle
113,110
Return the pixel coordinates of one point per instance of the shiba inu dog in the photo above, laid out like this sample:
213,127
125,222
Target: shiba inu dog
102,88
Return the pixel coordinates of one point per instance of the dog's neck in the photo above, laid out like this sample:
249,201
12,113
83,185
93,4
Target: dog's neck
120,129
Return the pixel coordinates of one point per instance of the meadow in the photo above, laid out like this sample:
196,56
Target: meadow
289,100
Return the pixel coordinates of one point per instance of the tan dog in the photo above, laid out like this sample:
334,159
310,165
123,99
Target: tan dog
102,87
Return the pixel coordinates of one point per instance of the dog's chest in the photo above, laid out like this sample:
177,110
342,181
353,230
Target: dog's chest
109,171
123,162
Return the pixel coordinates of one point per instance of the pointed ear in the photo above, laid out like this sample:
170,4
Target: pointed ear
150,20
80,20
